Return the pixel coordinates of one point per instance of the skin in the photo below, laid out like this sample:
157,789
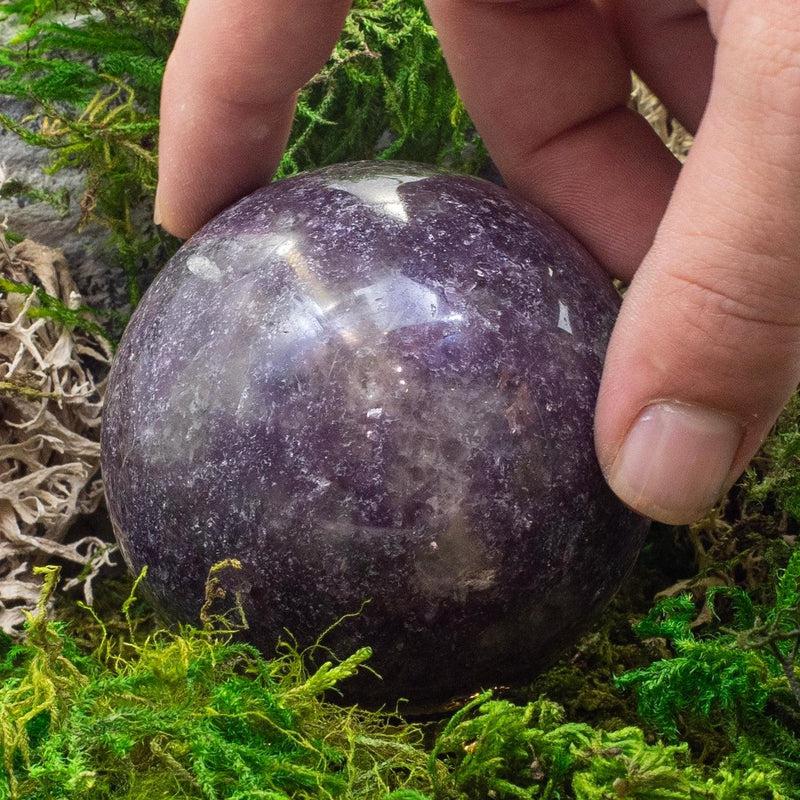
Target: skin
706,350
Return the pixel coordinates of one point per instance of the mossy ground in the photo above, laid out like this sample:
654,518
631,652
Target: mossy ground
693,697
686,688
698,703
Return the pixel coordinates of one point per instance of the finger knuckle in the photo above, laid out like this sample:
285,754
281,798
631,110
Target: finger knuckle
768,30
737,318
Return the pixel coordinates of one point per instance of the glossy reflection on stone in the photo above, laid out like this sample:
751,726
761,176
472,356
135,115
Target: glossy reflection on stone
375,382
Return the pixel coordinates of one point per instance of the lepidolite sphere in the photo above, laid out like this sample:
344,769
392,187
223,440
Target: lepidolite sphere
375,382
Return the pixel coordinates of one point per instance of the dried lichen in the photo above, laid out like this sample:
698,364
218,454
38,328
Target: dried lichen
50,405
670,131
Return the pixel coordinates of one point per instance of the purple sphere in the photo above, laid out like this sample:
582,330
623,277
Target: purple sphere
375,382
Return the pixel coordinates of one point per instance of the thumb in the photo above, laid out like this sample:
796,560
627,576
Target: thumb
706,350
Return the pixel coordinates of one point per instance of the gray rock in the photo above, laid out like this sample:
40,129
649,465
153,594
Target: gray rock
86,250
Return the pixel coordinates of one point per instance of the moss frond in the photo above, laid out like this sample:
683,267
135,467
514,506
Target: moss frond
49,307
742,678
774,477
190,713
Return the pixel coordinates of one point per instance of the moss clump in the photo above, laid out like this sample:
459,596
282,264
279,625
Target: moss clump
506,751
741,682
127,710
773,479
186,714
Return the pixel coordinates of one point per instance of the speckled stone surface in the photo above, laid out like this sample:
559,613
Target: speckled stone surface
375,382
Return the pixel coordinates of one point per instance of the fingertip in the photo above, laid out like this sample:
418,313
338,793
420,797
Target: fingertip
228,100
675,461
177,228
157,213
212,155
181,229
179,221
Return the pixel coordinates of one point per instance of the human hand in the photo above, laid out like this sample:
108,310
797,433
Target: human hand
706,350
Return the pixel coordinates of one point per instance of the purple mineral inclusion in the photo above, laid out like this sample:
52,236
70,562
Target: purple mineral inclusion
375,382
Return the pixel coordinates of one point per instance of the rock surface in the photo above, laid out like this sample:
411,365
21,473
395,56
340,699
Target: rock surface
86,250
375,382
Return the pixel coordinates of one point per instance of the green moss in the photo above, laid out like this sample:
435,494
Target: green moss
186,714
124,709
773,479
737,680
385,93
82,318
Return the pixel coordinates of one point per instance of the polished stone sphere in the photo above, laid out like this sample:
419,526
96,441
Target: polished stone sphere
375,382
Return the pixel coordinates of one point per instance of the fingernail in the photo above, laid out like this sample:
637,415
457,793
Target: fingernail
675,461
157,216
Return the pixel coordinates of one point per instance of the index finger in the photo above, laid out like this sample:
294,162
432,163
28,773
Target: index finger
228,99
